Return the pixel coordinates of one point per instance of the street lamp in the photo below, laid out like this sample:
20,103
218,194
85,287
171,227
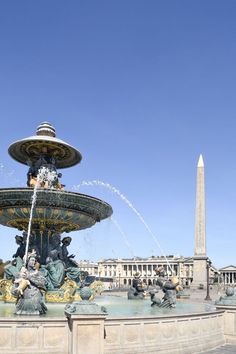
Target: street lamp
208,280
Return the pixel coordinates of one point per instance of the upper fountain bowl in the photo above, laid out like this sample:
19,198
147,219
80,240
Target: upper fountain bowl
29,150
55,210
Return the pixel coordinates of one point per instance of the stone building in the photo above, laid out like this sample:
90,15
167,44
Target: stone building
123,270
227,275
89,266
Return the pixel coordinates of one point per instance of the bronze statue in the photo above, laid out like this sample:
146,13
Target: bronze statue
51,210
27,288
67,259
169,288
137,290
20,252
43,172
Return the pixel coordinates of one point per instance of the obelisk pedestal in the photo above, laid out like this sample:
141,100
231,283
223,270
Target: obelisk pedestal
200,257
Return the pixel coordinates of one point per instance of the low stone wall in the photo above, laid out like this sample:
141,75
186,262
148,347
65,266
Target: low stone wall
183,334
173,334
229,322
34,335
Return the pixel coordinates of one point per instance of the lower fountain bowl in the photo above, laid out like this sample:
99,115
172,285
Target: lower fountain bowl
56,210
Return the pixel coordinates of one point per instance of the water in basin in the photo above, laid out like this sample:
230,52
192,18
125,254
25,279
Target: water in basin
118,306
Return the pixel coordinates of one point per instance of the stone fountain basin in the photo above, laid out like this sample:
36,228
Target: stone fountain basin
56,210
135,330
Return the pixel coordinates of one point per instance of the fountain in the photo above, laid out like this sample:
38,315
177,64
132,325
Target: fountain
43,210
78,327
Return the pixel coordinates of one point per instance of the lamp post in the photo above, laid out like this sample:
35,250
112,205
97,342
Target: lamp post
208,280
119,281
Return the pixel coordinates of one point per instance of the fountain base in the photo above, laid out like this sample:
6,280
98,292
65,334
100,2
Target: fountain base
84,333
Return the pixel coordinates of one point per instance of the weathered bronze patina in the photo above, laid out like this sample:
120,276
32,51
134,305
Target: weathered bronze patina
55,211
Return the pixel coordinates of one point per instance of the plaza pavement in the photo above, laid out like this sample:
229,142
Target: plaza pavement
225,349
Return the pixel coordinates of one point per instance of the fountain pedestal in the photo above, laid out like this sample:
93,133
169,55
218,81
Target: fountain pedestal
228,304
86,322
87,333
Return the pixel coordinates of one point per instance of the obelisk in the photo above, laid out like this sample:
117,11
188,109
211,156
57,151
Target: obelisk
200,257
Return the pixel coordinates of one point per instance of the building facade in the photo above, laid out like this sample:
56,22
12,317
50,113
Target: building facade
89,266
227,275
122,270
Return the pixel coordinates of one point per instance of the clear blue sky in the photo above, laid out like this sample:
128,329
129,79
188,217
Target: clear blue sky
141,88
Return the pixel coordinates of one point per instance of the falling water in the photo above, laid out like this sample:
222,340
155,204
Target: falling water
89,246
34,197
44,174
124,238
117,192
